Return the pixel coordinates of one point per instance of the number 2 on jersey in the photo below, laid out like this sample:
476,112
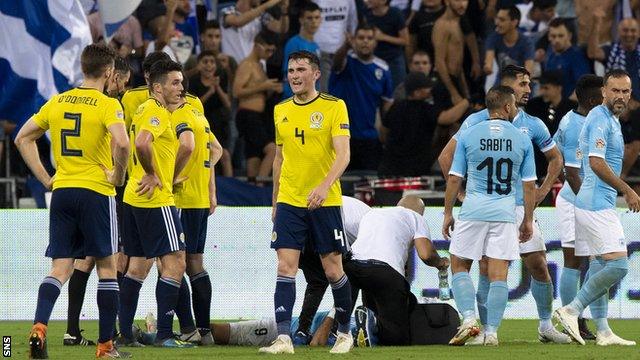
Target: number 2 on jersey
300,134
504,180
64,133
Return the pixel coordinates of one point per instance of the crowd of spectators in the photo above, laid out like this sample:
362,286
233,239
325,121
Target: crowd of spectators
409,70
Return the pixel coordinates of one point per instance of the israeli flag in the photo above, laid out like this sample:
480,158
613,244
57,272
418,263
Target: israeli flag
114,13
40,46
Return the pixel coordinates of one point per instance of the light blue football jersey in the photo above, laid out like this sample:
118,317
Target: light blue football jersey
601,136
496,157
532,126
567,138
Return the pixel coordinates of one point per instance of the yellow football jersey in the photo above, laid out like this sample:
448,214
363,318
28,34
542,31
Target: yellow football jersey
155,118
306,133
78,121
194,192
135,97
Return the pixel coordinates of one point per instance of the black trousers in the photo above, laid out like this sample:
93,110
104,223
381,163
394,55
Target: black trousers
387,294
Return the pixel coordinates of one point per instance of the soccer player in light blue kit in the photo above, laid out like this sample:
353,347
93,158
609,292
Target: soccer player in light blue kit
589,93
597,223
495,156
533,252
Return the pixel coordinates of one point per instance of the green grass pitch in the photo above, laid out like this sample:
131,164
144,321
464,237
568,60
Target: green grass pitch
518,341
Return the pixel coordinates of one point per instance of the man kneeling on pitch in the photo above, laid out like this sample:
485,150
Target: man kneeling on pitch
377,267
493,154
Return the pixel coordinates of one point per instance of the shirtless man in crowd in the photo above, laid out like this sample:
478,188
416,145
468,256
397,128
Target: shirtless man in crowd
449,43
252,88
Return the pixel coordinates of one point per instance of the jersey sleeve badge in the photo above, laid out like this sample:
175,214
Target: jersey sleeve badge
600,144
154,121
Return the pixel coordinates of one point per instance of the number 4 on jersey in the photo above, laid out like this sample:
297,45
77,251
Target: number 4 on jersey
300,134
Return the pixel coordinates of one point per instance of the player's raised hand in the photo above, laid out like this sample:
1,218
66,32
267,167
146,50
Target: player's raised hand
148,184
632,199
317,197
526,231
448,226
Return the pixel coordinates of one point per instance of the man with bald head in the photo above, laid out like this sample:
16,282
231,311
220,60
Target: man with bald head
380,253
623,54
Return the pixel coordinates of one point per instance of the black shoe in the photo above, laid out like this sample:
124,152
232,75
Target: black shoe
122,341
79,340
37,346
584,330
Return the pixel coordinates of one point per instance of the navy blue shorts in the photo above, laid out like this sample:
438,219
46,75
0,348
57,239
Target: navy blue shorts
323,226
151,232
194,224
82,223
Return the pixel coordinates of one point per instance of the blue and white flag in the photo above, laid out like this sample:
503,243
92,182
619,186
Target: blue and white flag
114,13
40,46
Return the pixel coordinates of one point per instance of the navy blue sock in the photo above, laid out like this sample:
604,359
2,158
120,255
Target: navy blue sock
183,308
120,277
47,296
341,290
77,289
108,299
201,292
167,292
283,300
129,294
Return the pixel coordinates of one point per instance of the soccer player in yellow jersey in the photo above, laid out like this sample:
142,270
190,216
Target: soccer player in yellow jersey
312,138
151,226
135,97
196,199
90,147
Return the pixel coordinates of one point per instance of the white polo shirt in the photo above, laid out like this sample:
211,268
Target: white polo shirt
388,234
353,210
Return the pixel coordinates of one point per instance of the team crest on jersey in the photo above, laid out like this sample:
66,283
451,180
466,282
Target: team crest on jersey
119,114
316,120
599,144
579,154
154,121
524,130
378,73
274,236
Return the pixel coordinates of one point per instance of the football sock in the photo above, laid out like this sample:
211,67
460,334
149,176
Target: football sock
463,294
283,300
107,307
129,294
120,277
599,283
543,294
201,292
183,308
341,290
167,293
47,296
481,298
77,289
496,303
599,307
569,284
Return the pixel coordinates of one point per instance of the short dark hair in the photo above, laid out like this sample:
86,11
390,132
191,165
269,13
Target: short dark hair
557,22
266,37
364,26
544,4
205,53
153,58
512,72
588,87
309,6
420,53
210,24
121,65
160,69
498,96
615,73
95,60
304,54
513,12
